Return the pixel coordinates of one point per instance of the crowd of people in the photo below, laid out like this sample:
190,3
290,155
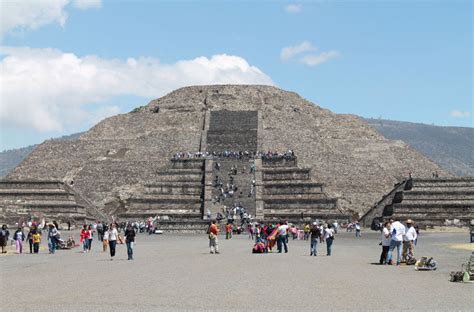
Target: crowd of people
399,236
229,154
107,235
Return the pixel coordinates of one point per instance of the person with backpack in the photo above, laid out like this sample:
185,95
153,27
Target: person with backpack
357,228
19,237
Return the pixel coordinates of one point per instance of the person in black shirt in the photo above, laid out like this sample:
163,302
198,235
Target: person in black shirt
130,240
315,237
4,234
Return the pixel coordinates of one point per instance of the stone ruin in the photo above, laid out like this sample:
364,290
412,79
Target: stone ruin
428,202
122,167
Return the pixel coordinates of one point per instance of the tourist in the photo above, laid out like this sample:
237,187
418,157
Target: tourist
315,232
409,241
294,232
329,237
19,237
228,231
4,234
84,239
251,230
213,242
357,228
385,242
90,234
307,230
130,240
36,240
282,237
100,231
29,237
105,239
52,238
113,235
397,231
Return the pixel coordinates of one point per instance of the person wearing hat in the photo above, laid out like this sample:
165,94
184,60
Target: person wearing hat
409,241
315,237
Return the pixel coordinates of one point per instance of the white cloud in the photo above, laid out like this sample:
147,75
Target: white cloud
19,15
293,8
460,114
317,59
291,51
46,89
87,4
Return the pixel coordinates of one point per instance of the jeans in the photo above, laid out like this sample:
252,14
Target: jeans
52,245
85,244
36,247
314,247
31,245
89,244
358,233
130,250
281,239
19,246
398,245
112,245
329,241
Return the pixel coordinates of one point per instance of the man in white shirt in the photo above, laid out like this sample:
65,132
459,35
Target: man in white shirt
408,241
397,231
281,238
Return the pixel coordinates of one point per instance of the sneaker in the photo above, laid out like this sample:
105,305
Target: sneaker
212,252
217,252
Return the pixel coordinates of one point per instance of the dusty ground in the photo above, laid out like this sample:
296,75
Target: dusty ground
176,272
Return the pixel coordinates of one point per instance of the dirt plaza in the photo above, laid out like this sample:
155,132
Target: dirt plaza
177,272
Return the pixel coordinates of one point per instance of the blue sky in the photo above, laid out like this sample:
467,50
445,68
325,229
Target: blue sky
63,71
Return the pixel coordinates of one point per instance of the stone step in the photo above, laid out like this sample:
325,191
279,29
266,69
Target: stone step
437,202
437,211
188,163
428,205
438,195
278,197
30,184
273,163
302,206
287,187
32,194
443,180
426,218
323,215
165,198
173,213
442,189
189,189
286,174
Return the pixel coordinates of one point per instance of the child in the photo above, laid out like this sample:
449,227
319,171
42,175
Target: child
36,240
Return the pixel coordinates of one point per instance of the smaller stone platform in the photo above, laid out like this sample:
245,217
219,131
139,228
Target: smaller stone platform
28,199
